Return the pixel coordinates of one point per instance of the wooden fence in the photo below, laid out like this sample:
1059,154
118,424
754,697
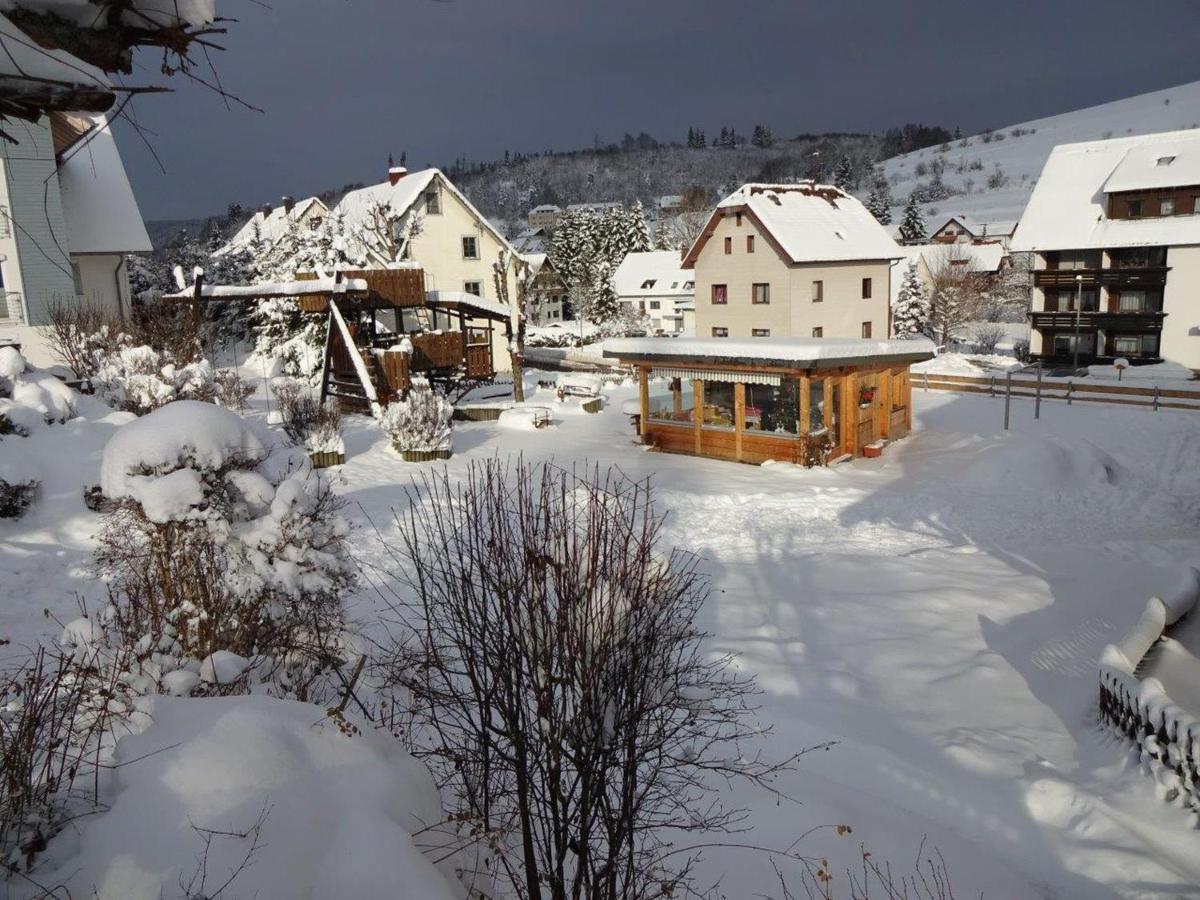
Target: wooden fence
1071,391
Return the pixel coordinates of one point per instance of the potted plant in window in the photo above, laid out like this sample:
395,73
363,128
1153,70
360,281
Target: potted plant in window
866,396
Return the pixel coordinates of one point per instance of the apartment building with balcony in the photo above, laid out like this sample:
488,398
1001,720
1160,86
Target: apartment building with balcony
792,260
1114,229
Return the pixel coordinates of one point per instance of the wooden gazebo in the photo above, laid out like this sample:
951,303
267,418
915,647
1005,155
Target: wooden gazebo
772,398
435,334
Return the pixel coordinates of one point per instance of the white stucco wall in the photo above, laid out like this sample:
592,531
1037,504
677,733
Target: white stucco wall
1181,302
791,312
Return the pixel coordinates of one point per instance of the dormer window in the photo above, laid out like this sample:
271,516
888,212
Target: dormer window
1135,209
1165,160
648,283
1166,207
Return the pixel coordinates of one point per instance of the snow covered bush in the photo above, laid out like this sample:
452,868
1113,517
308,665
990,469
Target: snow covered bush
216,565
554,585
911,313
141,379
420,421
306,421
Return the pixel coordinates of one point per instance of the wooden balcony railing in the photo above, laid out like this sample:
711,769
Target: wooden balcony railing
437,351
1133,276
1128,322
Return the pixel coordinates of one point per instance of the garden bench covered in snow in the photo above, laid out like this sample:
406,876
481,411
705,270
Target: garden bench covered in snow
576,384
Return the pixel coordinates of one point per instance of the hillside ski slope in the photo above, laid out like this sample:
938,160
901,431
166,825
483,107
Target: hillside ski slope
1020,151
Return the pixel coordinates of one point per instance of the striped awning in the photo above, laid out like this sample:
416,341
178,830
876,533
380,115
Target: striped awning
710,375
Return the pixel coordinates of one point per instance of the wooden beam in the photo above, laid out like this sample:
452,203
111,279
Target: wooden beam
805,403
739,417
644,397
885,403
697,409
850,413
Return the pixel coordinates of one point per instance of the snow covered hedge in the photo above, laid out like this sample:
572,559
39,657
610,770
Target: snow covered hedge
29,399
219,567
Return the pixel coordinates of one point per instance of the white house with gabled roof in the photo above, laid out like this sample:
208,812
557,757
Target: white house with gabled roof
962,229
792,260
68,217
1114,229
435,225
652,284
269,224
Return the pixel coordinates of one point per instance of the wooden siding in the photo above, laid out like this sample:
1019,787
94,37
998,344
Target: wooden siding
35,204
1185,199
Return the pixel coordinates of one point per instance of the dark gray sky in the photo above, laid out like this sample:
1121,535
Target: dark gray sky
344,82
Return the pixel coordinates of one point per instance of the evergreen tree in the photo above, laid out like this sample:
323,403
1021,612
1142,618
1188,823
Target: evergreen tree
911,313
879,202
912,226
701,140
762,137
691,141
843,174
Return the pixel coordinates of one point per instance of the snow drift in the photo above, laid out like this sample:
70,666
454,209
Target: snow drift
337,810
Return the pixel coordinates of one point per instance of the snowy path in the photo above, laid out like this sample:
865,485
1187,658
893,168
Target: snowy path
937,612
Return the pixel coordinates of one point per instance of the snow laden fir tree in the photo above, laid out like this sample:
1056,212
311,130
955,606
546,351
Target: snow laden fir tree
587,248
911,313
912,226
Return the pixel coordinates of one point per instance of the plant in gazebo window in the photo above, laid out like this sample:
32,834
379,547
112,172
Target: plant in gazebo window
866,396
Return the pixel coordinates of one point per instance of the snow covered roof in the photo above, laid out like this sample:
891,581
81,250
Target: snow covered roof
980,228
545,208
400,197
800,353
1068,210
976,257
472,303
100,210
1157,165
270,227
326,284
808,222
654,273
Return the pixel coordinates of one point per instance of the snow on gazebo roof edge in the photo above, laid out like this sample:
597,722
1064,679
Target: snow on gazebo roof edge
801,353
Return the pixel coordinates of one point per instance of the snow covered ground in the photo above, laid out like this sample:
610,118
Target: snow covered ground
1023,149
937,612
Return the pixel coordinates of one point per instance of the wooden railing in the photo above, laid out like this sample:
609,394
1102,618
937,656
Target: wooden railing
1071,390
437,351
1131,276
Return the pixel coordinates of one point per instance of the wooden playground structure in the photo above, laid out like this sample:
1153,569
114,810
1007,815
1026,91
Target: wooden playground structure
384,329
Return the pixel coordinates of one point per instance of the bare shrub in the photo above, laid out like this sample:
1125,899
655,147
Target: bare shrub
985,338
57,712
305,420
231,391
565,698
83,335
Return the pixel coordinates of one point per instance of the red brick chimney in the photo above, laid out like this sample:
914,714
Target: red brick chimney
395,173
288,204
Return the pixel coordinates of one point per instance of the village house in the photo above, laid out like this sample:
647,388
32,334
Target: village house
966,230
1114,229
433,224
544,216
796,260
268,224
985,261
651,285
548,289
531,240
68,218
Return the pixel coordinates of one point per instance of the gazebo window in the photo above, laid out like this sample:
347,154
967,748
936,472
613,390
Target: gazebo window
718,404
675,406
773,408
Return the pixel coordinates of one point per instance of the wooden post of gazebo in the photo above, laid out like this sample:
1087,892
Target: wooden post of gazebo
644,398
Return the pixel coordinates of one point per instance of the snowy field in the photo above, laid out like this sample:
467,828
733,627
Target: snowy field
937,612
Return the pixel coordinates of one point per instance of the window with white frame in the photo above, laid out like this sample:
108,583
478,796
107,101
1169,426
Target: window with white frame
473,287
470,247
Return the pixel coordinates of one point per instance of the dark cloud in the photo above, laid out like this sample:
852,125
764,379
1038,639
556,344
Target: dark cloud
345,82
